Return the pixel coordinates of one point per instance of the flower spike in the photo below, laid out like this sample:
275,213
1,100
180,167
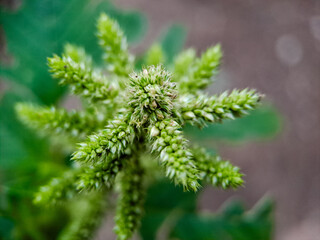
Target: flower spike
130,115
114,44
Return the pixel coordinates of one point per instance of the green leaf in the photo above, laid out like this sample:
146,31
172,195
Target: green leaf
163,198
41,27
173,212
17,143
264,122
6,226
233,223
172,41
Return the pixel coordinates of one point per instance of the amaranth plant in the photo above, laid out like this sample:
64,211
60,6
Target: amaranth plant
130,122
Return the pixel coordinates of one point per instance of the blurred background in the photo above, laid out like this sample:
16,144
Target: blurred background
273,46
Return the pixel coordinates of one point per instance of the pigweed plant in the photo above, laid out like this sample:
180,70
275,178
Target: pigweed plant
130,129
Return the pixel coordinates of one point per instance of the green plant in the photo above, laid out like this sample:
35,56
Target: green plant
33,30
144,113
171,213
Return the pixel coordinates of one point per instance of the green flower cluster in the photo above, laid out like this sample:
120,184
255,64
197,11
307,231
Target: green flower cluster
50,120
172,147
130,207
58,189
151,95
200,109
112,40
131,117
196,73
215,170
83,81
155,55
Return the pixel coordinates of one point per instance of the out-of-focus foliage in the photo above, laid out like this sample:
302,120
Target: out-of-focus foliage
232,223
41,27
172,214
33,32
26,162
172,42
162,199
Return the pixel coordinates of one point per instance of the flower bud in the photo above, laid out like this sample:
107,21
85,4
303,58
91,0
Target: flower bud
189,115
154,132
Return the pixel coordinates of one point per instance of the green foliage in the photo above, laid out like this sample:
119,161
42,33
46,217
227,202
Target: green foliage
172,214
34,31
86,215
148,111
173,41
163,199
48,27
232,223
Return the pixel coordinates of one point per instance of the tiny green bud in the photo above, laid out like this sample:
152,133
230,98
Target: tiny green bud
154,105
208,117
154,131
189,115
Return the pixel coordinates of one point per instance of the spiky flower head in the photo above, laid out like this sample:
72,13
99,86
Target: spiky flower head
130,116
151,95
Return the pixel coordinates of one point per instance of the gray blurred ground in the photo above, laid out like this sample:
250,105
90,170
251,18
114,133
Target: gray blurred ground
273,46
